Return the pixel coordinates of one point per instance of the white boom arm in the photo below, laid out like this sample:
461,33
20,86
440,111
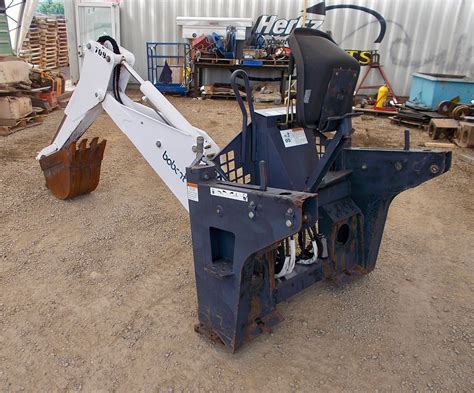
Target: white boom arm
162,135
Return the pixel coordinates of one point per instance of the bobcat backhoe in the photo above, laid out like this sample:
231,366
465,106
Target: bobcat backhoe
287,202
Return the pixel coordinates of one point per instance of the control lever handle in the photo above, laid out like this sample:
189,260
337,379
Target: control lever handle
263,171
248,92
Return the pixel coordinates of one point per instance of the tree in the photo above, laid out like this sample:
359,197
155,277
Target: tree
51,7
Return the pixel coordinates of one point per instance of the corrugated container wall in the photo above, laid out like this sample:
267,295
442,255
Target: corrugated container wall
421,35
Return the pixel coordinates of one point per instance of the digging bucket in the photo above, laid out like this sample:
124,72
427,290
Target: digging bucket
74,170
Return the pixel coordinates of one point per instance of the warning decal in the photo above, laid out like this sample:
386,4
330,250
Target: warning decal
293,137
229,194
193,194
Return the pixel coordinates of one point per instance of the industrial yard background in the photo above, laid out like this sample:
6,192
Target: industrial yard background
102,292
97,294
424,35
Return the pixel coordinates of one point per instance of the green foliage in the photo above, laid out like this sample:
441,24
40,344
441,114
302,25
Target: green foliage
51,7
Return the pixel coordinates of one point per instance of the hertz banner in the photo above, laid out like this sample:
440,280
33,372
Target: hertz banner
271,26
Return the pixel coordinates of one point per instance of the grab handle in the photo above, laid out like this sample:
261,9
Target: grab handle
248,92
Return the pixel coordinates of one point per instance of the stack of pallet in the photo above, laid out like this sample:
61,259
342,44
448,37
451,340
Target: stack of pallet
31,49
46,43
63,58
48,38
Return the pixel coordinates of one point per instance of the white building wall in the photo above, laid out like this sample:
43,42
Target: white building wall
421,35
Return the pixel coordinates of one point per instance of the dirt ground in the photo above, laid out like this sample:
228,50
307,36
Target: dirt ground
98,294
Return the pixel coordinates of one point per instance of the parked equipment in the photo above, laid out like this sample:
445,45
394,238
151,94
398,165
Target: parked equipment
384,91
442,128
442,92
464,136
281,206
225,47
170,59
215,45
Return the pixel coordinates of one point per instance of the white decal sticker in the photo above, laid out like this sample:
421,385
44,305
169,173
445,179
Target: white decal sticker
293,137
238,196
193,194
307,96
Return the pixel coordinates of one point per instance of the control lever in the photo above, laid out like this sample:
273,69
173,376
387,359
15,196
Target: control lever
263,171
233,81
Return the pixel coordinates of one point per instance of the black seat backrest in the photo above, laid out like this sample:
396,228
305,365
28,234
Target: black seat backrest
326,81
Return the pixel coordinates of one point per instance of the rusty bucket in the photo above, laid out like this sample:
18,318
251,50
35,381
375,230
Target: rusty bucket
74,171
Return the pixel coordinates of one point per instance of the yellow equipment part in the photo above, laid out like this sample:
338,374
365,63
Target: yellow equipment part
381,97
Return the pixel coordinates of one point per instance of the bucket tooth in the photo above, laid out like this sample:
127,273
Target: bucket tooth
93,144
74,170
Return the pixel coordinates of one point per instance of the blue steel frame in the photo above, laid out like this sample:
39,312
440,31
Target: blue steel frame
235,240
259,191
156,61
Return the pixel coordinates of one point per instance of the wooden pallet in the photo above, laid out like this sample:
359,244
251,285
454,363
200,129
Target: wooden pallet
215,60
18,125
274,98
222,94
269,62
219,96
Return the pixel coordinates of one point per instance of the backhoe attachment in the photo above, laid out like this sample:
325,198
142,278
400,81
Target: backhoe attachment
286,203
160,133
72,171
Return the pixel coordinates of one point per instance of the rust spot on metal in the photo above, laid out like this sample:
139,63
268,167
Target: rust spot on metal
271,270
299,200
71,172
209,333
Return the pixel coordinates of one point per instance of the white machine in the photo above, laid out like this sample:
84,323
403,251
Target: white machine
162,135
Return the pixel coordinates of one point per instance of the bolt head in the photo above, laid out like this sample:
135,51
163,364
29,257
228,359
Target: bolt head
398,166
88,46
364,167
289,223
158,144
107,59
290,211
251,215
434,169
206,176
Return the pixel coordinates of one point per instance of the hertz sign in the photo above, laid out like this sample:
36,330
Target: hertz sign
280,28
364,57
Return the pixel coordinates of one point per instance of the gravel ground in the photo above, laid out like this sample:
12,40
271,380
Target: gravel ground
98,293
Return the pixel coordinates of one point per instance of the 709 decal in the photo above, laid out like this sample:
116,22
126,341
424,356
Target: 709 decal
100,52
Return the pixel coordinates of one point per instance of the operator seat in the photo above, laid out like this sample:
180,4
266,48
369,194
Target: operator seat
327,78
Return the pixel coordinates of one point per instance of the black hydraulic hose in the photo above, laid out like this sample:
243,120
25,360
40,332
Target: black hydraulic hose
116,72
